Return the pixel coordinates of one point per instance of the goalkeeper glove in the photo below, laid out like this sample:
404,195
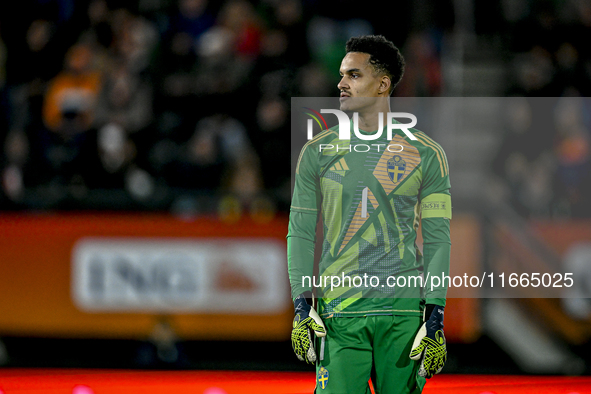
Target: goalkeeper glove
429,343
306,323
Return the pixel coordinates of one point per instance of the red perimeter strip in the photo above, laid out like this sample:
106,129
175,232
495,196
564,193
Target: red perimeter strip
58,381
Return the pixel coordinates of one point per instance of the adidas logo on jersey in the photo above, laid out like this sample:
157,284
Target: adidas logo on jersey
340,165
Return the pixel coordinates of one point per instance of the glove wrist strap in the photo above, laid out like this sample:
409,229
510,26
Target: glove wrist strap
306,296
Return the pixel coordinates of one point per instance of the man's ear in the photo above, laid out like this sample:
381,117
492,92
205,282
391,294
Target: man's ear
385,84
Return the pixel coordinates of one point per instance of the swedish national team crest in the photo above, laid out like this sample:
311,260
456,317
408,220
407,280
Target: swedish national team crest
396,168
322,377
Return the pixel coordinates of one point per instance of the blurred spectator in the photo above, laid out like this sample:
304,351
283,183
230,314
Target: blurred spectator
313,81
228,50
41,59
193,19
42,55
113,156
273,147
16,151
175,69
573,153
68,113
550,53
273,74
218,71
422,74
288,19
99,30
240,20
134,40
175,64
2,61
579,30
524,164
125,99
177,55
34,154
534,74
545,157
540,27
164,346
218,156
71,97
4,103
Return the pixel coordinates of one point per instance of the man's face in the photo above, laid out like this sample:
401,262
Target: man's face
358,79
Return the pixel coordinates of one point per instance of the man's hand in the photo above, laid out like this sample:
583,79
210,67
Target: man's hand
429,344
306,323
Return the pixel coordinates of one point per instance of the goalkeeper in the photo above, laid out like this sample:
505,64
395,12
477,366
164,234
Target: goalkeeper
371,204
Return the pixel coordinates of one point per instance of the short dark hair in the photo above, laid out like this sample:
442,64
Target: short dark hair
384,56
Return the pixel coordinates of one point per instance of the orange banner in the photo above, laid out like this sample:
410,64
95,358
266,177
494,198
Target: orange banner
47,263
36,281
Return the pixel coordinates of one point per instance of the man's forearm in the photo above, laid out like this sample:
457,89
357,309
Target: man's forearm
436,254
300,251
300,262
437,266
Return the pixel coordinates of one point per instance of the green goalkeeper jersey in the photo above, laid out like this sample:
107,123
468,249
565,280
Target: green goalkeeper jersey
372,195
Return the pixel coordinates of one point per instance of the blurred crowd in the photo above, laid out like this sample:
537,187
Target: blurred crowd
178,105
184,105
545,157
543,166
148,104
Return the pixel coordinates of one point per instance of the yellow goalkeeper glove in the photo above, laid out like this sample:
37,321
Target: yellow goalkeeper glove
429,343
306,325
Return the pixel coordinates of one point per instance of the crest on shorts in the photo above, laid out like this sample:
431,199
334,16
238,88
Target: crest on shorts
396,168
322,377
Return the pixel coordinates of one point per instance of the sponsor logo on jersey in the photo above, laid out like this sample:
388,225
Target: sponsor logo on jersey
396,168
340,165
322,377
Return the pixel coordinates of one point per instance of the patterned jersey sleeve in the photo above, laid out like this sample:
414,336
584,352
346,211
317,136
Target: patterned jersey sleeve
302,222
436,212
435,191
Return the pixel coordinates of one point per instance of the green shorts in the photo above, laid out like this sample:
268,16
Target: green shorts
357,349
